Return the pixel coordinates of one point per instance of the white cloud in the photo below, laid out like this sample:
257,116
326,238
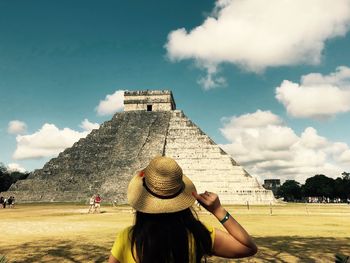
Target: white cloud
89,126
257,119
48,141
111,104
267,148
341,77
15,167
345,156
16,127
256,34
317,96
310,139
210,81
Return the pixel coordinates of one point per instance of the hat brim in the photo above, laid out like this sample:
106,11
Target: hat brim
141,200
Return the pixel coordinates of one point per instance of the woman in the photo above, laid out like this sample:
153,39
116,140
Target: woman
92,204
97,202
165,228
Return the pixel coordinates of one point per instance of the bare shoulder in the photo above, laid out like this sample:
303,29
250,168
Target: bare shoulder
112,259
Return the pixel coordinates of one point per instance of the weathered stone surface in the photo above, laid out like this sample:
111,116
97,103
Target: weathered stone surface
159,100
107,158
103,162
209,167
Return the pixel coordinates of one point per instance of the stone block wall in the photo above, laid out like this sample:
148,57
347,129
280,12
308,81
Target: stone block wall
160,100
209,167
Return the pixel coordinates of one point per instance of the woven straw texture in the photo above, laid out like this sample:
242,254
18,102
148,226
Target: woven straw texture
163,177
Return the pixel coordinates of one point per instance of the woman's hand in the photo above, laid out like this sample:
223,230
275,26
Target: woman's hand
236,242
211,202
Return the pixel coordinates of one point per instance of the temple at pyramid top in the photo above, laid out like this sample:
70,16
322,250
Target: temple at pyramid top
149,100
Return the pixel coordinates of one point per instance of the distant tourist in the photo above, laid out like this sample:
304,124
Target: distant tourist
165,228
10,201
92,204
2,201
97,203
13,201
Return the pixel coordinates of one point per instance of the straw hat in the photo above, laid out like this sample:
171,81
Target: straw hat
161,188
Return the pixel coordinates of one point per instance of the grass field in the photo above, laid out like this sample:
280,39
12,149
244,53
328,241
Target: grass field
66,233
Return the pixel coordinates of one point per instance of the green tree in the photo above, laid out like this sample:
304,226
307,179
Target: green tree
18,175
5,182
346,184
345,175
290,190
319,185
8,178
3,169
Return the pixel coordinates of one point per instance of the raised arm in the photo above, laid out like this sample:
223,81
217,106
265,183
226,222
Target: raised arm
236,242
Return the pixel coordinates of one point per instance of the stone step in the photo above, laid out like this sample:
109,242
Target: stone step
225,179
197,139
215,173
232,187
209,169
212,168
221,159
184,133
170,145
183,154
173,148
182,124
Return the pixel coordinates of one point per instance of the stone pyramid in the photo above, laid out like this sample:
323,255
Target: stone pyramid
108,157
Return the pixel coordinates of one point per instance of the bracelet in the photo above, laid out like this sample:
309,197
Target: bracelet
227,216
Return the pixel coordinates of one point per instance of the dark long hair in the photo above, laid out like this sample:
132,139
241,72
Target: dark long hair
163,238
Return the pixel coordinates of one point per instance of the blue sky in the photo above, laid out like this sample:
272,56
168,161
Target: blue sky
235,69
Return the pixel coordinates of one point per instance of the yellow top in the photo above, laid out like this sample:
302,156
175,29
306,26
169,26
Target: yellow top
121,249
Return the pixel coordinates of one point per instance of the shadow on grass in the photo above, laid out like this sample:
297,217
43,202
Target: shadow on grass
271,249
296,249
57,251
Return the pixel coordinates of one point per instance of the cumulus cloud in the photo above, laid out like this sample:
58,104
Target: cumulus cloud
111,104
317,96
255,34
89,126
16,127
15,167
48,141
268,148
